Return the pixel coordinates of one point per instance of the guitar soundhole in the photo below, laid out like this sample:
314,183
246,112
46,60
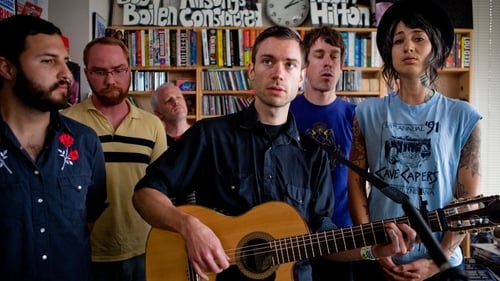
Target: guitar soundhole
255,257
233,273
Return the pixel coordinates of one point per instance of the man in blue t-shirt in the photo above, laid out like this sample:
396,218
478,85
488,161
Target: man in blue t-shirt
326,118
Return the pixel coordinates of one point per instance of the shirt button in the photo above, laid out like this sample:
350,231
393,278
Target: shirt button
44,257
36,172
42,230
40,200
233,187
79,187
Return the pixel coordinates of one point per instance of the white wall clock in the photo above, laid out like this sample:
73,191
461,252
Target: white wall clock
287,12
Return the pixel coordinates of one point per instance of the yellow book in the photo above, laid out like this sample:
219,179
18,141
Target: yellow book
220,47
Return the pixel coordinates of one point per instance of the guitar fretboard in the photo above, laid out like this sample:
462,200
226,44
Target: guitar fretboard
333,241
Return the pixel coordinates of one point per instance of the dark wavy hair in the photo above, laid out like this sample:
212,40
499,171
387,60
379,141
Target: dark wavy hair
439,52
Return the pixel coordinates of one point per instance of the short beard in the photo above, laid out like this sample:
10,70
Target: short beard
34,96
108,99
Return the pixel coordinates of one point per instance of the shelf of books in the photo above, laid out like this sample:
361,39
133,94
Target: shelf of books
209,64
455,78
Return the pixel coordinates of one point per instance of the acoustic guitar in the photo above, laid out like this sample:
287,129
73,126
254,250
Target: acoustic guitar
265,242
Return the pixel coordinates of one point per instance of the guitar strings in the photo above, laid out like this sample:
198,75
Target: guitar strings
288,249
284,245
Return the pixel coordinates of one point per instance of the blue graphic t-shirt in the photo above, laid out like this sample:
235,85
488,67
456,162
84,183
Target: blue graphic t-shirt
330,126
416,149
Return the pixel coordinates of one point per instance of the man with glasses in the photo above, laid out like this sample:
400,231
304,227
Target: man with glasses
131,139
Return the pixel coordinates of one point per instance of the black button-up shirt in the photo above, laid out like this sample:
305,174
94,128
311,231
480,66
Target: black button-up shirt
45,205
232,165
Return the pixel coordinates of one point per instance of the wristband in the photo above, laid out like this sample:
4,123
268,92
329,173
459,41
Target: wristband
367,254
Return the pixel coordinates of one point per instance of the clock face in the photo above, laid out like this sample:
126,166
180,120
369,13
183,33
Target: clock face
287,12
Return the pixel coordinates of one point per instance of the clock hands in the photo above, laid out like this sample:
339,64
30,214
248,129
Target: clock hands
293,2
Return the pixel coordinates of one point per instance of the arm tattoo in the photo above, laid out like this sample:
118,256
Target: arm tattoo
470,154
358,149
469,164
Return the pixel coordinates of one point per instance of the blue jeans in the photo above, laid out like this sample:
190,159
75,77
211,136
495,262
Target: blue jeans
127,270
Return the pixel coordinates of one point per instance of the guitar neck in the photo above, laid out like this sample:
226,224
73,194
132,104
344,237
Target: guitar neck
306,246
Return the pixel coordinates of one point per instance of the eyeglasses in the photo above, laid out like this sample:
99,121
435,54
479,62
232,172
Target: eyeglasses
117,72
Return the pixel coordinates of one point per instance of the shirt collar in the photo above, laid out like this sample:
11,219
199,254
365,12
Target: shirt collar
57,124
248,120
133,110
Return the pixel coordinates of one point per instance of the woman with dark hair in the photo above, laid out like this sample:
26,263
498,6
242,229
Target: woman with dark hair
415,139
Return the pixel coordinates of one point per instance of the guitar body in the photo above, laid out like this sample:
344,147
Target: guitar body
166,257
264,243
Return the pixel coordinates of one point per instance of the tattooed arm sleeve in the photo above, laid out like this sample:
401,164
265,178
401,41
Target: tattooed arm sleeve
358,204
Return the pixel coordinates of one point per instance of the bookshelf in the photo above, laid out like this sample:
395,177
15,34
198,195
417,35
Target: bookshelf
455,79
217,67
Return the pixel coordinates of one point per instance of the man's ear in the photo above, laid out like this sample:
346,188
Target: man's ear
158,113
7,69
251,71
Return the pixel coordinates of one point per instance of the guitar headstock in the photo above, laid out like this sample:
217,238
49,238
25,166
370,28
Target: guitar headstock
480,212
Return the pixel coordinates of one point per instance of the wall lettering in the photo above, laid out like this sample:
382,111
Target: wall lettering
191,13
339,13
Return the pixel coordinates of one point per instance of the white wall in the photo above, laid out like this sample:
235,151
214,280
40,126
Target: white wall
74,18
486,86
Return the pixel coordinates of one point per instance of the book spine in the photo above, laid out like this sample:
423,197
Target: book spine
376,60
133,48
144,46
204,47
352,49
220,47
193,47
246,47
458,50
138,44
161,48
182,47
240,47
345,37
156,47
235,41
167,47
212,45
228,49
173,47
465,51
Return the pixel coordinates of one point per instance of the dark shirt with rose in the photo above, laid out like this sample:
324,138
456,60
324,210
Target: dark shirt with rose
45,205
